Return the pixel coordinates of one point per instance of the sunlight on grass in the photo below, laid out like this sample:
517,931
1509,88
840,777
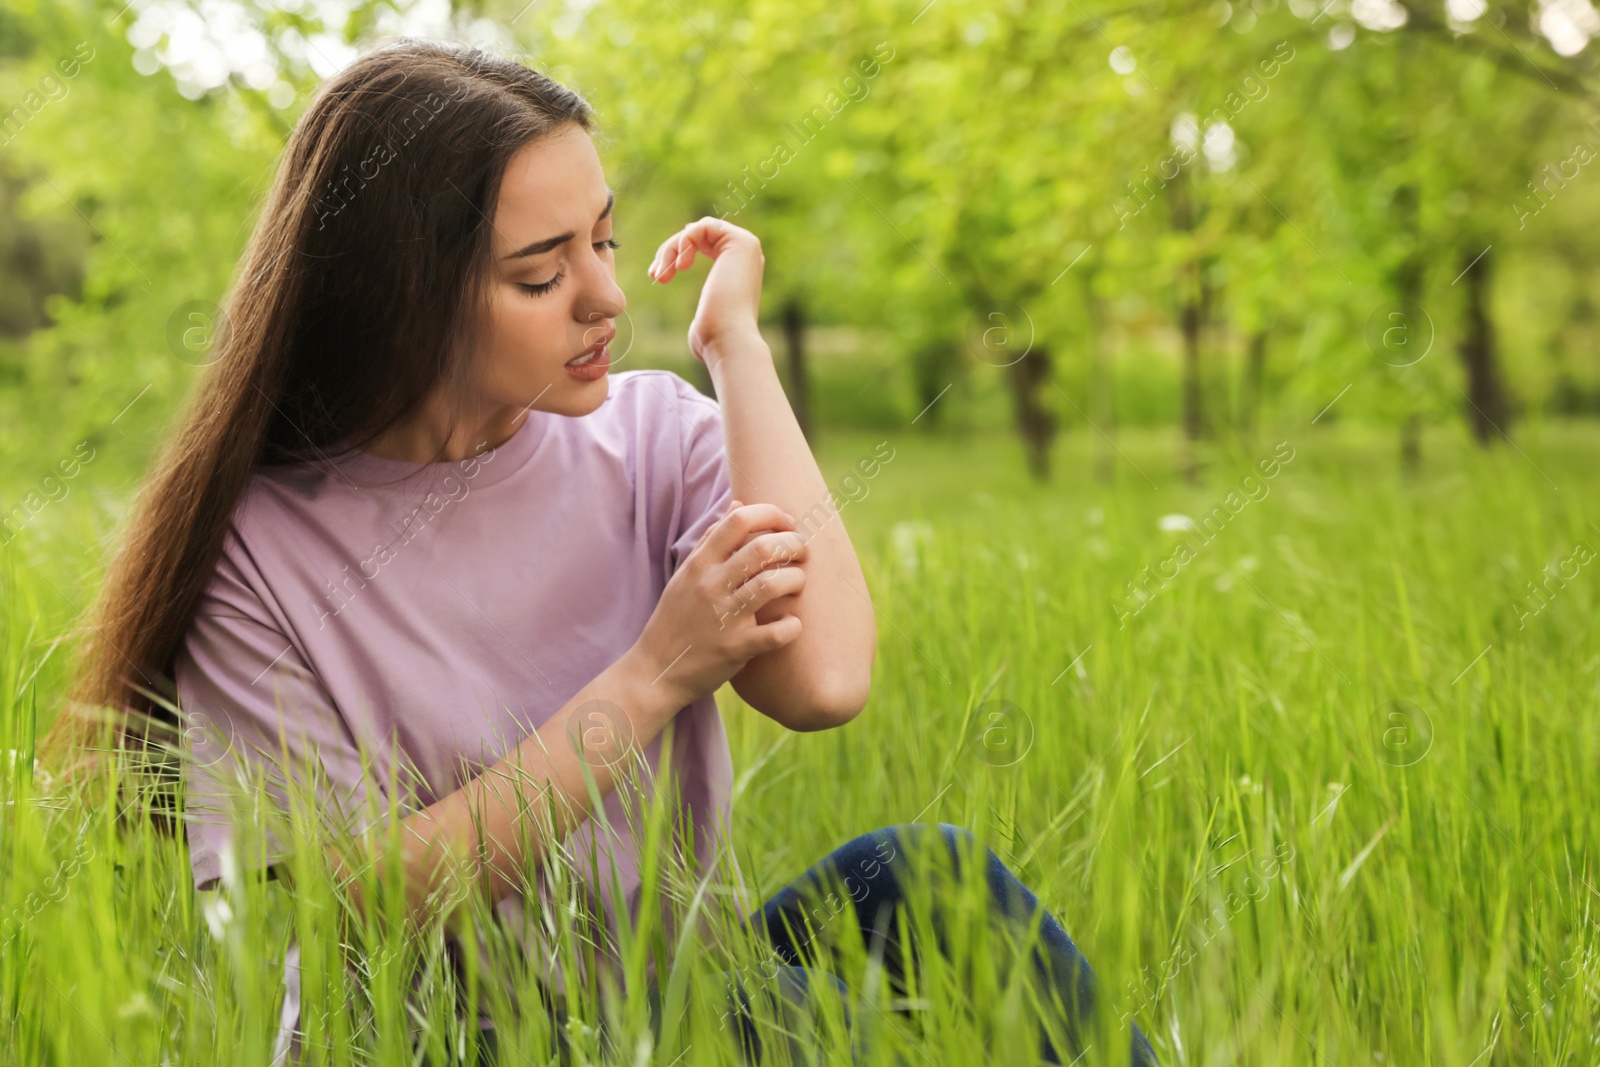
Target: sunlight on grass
1320,800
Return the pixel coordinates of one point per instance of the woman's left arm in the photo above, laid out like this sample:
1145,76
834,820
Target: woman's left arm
821,679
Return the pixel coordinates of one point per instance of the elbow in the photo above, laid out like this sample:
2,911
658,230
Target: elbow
831,704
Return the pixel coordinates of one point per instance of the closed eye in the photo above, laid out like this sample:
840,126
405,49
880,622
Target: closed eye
541,288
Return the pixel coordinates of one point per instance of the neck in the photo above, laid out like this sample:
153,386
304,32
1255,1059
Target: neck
417,438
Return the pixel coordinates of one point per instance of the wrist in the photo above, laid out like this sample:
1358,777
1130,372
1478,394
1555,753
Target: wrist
647,685
742,345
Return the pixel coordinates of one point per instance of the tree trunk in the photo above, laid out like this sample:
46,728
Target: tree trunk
1409,278
1255,375
1411,444
935,370
1191,296
1480,356
794,339
1036,424
1102,385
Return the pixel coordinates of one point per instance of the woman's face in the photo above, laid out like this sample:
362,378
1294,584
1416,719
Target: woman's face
553,288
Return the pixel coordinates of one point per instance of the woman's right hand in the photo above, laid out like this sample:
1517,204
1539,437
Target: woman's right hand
704,629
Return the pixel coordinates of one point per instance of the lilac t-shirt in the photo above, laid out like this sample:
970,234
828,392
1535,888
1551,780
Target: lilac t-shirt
454,611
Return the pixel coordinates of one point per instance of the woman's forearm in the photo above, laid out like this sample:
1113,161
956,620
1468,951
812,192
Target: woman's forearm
823,678
542,782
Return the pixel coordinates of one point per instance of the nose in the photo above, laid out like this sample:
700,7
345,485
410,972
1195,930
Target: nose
601,298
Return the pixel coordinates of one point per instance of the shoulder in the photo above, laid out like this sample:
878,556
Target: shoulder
656,387
237,586
662,416
658,392
274,518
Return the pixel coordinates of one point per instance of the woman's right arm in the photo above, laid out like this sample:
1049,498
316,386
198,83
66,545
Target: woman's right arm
703,630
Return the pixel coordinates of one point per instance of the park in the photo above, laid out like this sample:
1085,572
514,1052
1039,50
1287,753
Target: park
1208,392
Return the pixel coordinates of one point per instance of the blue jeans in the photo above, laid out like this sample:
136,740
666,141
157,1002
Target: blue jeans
872,871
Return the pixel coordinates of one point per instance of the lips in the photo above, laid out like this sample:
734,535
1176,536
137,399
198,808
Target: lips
594,363
589,354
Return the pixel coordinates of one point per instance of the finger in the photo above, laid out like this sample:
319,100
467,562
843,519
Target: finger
678,252
740,523
709,235
659,262
705,535
767,637
763,588
679,257
667,252
765,551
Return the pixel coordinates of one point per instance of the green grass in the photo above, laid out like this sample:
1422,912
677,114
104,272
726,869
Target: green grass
1292,811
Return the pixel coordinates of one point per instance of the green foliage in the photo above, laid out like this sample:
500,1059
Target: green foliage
1436,909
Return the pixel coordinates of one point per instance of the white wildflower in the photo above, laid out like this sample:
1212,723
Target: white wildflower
139,1004
909,540
218,915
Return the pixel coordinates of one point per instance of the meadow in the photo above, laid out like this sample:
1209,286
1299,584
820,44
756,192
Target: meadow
1280,691
1319,800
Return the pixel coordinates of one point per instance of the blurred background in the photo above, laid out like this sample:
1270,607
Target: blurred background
1096,236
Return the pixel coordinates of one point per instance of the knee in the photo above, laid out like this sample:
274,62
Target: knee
957,836
963,847
787,989
796,983
949,832
959,843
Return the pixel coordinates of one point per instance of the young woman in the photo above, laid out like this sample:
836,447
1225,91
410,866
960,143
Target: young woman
412,533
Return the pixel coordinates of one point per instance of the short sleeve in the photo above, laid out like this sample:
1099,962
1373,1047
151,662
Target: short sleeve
706,491
255,715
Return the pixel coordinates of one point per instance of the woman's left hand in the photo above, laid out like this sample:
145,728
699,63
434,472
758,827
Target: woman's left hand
730,302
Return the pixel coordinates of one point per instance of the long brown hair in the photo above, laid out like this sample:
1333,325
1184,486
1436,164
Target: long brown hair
361,291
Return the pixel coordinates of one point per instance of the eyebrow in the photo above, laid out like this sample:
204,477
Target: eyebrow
555,242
